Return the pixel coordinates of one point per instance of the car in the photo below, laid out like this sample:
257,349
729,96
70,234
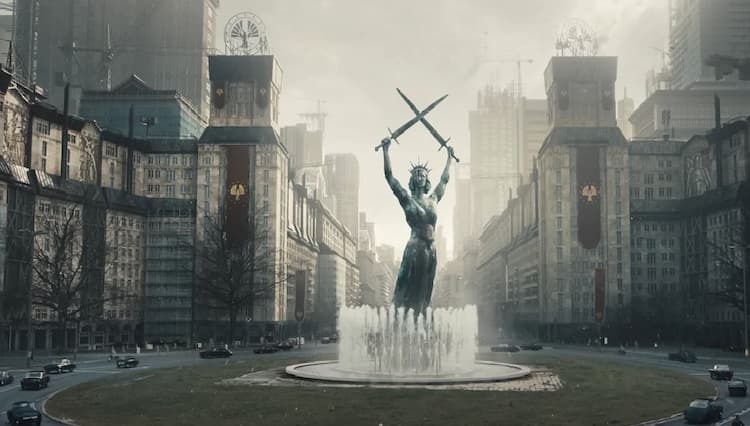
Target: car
35,380
702,411
532,347
285,345
682,356
216,353
325,340
62,366
24,413
128,362
265,349
721,372
5,378
505,348
737,388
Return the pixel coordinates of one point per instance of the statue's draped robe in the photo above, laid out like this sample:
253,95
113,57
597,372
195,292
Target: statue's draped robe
417,273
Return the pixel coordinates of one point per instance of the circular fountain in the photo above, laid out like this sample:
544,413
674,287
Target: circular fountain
394,346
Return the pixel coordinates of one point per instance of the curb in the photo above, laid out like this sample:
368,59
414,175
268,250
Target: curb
57,419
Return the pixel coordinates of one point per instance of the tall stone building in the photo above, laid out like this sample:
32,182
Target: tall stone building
557,257
305,145
242,173
342,180
625,107
185,30
494,154
155,113
701,28
534,128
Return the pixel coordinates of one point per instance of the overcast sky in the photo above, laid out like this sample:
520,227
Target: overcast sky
352,54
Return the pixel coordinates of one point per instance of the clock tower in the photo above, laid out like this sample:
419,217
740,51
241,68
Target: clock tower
584,196
242,169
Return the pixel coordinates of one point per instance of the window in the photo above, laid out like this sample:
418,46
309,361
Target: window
71,139
44,148
265,190
44,165
649,179
170,190
43,127
649,193
265,175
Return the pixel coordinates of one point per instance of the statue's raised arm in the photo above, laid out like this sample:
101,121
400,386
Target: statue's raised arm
437,194
398,190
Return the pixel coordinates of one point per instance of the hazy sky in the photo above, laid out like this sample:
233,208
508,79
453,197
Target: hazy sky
352,54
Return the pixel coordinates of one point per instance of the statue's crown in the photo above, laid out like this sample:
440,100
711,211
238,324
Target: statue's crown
415,167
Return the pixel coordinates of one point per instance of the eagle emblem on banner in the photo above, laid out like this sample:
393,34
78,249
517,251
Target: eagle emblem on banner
219,94
238,190
262,97
589,192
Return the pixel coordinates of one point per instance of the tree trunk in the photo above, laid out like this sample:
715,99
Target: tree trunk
62,320
232,322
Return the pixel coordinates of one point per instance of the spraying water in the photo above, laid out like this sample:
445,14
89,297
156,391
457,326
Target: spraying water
391,341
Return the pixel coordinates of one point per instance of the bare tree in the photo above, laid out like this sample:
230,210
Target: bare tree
728,259
59,265
232,273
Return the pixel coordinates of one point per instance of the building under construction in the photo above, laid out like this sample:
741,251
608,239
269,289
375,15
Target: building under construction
91,43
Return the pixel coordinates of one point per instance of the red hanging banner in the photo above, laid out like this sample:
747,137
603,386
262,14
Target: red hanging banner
238,194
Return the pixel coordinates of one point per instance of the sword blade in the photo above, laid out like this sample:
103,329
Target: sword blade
442,141
420,115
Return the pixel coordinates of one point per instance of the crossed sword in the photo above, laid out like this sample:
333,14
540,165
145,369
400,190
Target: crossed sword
420,116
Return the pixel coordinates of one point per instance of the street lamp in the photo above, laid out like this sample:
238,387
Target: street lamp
744,294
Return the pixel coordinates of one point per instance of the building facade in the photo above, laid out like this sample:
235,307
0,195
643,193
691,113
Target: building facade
701,28
156,113
186,31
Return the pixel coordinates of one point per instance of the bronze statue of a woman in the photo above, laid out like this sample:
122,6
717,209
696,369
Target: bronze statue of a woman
419,262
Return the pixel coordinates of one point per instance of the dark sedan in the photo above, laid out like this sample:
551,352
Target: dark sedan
721,372
531,347
24,413
505,348
62,366
737,388
128,362
216,353
5,378
682,356
35,380
265,349
702,411
285,345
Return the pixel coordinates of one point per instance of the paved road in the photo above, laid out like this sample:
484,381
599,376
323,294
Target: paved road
658,359
94,366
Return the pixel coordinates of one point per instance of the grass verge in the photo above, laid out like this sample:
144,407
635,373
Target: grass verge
594,393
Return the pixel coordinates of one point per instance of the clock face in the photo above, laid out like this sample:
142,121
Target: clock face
244,34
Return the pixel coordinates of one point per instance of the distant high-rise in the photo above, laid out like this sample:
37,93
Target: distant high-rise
441,247
6,32
494,153
534,128
342,180
701,28
93,43
625,108
462,216
305,145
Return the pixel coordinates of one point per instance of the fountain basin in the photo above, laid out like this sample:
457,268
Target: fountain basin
480,372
